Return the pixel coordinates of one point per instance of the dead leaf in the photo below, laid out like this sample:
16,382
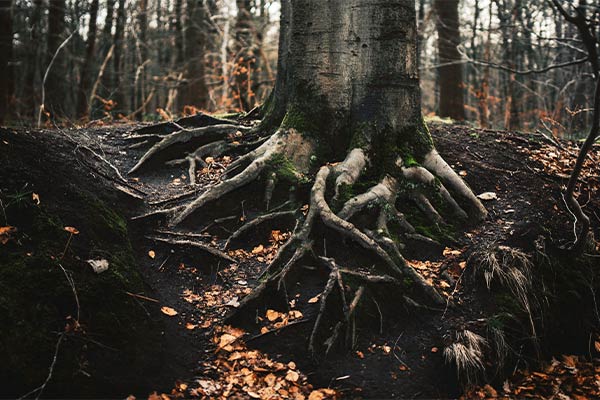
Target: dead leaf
487,196
168,311
190,326
36,197
6,232
99,266
434,349
313,300
272,315
258,249
292,376
151,254
71,230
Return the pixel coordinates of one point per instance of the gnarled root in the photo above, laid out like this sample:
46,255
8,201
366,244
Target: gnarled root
209,134
373,234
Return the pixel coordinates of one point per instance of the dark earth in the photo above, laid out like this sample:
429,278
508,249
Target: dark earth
125,345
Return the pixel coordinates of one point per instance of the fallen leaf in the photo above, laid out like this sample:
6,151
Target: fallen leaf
272,315
258,249
434,349
36,197
190,326
151,254
313,300
99,266
597,346
6,232
168,311
292,376
360,354
71,230
487,196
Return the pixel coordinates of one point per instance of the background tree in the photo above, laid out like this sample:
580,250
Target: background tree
451,103
55,89
86,71
6,48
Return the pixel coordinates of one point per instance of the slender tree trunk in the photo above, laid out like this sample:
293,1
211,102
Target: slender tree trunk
142,57
31,96
450,70
6,49
55,88
119,37
195,92
246,60
86,71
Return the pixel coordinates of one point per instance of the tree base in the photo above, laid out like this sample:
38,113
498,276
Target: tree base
370,219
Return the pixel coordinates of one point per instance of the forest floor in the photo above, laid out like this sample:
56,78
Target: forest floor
192,291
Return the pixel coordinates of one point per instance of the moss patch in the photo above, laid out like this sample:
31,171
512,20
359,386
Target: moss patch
116,339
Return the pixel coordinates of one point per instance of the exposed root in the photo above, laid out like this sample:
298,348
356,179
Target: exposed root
420,174
255,223
194,244
210,133
385,193
438,166
349,170
195,121
288,143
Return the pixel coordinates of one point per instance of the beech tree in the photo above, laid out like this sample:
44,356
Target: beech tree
345,114
6,48
451,100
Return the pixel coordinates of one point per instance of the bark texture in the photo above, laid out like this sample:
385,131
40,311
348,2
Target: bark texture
355,73
195,92
86,71
6,49
451,100
56,35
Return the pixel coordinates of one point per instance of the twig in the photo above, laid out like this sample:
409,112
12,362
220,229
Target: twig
100,74
139,296
41,388
42,105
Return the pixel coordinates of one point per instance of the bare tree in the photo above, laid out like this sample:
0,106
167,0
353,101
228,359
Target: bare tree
450,69
6,49
86,70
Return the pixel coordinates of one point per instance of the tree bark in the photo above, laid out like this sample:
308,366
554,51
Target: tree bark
6,49
55,82
195,93
351,75
451,100
86,70
117,57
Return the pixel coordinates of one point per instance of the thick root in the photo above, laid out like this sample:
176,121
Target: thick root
290,144
210,133
440,168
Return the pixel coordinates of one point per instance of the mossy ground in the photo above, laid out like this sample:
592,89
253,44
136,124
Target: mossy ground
118,340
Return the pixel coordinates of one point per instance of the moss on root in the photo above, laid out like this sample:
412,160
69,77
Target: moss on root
116,338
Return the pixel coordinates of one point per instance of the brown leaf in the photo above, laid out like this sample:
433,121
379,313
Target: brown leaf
36,197
6,232
168,311
292,376
151,254
71,230
272,315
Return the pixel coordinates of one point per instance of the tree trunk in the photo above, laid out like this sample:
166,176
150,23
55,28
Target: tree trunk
117,57
245,81
195,93
451,103
6,49
86,71
31,95
55,82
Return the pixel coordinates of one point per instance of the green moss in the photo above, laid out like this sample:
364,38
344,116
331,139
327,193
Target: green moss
284,170
36,299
